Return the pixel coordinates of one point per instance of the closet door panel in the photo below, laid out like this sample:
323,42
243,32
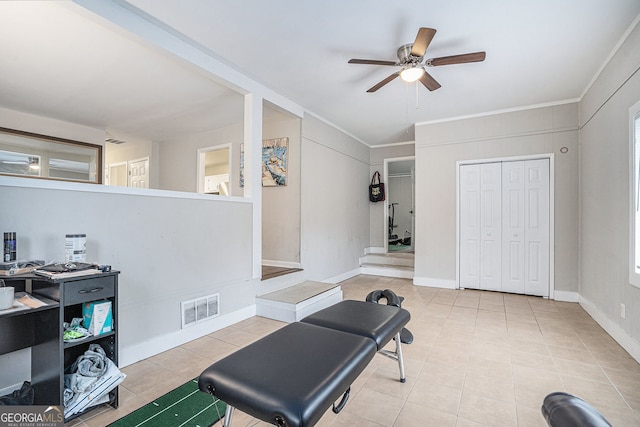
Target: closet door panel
469,216
513,227
490,223
537,222
504,226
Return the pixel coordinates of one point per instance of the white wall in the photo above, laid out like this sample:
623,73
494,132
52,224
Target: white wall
168,249
335,201
281,205
178,159
440,145
605,196
168,246
19,120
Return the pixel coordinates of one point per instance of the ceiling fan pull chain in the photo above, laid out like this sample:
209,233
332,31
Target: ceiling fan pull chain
406,91
417,97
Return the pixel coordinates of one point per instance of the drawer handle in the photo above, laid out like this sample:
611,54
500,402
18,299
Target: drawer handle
90,291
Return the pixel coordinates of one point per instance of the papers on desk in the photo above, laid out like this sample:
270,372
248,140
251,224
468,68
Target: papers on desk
69,269
30,301
13,268
64,275
24,302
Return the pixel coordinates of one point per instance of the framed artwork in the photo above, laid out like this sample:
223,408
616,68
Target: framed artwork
275,161
241,165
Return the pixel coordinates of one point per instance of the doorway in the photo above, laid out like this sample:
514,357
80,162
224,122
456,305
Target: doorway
214,170
505,220
399,178
132,173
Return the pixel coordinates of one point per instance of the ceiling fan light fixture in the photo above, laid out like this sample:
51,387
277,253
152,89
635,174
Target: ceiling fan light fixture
411,74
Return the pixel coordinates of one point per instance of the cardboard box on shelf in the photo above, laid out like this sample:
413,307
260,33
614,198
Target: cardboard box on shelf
97,317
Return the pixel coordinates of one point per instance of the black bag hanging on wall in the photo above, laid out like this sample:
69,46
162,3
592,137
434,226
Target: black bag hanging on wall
376,189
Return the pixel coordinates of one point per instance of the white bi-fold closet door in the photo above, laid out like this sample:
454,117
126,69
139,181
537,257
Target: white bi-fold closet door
504,226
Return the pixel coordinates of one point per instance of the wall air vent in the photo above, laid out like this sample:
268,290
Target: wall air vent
114,141
200,309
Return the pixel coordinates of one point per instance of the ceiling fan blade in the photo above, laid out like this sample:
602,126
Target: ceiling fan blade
371,62
384,82
457,59
429,82
423,39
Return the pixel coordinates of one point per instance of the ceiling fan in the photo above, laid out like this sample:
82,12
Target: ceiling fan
410,59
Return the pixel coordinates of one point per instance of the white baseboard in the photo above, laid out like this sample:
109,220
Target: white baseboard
387,271
566,296
143,350
283,264
616,332
342,277
375,250
435,283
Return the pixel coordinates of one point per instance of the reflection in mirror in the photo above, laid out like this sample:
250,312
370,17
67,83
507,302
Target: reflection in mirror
39,156
214,170
401,204
19,163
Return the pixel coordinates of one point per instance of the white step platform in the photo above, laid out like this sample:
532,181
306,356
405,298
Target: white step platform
298,301
393,264
398,271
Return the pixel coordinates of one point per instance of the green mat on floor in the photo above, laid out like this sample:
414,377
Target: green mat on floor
184,406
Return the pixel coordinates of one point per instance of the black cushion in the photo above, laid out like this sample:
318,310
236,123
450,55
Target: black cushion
377,321
293,374
565,410
388,294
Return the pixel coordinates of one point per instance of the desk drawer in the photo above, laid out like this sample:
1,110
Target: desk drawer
85,290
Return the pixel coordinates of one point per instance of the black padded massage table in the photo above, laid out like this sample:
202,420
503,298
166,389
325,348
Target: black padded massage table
293,375
566,410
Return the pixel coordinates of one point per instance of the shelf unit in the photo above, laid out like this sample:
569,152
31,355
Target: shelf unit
72,293
35,328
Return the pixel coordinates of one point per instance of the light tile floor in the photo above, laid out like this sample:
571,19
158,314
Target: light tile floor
478,359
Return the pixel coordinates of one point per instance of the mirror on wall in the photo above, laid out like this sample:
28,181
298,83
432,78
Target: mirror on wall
400,204
40,156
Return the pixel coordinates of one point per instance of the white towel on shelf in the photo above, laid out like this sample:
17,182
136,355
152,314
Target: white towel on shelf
98,393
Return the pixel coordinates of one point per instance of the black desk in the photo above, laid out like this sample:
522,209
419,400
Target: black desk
36,328
42,329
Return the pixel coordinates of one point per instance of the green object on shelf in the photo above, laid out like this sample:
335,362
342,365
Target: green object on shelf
71,335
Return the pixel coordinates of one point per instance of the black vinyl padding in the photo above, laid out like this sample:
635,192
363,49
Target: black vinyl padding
293,374
388,294
376,321
565,410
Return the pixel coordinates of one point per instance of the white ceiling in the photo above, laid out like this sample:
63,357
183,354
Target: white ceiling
58,62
